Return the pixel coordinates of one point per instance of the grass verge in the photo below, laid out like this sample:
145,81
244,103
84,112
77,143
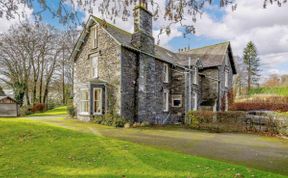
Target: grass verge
33,149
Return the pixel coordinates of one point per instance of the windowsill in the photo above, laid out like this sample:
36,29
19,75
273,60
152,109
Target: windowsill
166,82
166,111
97,114
176,106
84,114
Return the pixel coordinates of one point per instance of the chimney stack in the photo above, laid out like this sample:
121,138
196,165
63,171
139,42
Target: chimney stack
142,37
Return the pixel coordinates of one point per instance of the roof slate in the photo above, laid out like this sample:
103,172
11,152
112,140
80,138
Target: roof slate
210,56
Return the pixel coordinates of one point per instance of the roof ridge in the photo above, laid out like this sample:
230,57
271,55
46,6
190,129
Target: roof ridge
228,42
111,25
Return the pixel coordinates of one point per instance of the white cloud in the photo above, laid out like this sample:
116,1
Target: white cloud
267,28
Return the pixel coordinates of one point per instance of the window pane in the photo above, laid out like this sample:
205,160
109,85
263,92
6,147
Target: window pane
98,100
176,102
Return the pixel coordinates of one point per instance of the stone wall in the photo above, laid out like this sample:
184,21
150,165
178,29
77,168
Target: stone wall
178,88
129,70
108,53
209,87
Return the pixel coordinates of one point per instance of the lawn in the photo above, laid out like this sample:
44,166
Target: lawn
57,111
280,91
34,149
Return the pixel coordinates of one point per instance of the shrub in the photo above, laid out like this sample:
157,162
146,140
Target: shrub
25,110
72,111
237,121
110,120
38,107
248,106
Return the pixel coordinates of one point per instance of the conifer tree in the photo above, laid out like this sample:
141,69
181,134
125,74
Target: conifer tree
252,61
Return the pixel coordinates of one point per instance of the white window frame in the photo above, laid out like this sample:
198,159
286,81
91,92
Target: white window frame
82,112
177,97
226,77
94,30
166,98
195,77
195,97
100,101
94,66
166,73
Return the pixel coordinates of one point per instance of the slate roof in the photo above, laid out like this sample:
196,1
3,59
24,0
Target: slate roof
210,56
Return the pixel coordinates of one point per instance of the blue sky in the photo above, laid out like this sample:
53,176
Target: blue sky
267,28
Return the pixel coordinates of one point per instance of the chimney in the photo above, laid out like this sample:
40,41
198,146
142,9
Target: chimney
142,37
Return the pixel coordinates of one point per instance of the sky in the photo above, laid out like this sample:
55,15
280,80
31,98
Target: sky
267,28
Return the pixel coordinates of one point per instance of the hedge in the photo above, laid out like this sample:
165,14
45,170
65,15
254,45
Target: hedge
236,122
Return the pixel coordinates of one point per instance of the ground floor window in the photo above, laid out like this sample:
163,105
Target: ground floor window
84,101
195,96
166,100
176,101
97,100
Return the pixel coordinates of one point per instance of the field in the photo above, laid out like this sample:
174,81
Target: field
280,91
30,147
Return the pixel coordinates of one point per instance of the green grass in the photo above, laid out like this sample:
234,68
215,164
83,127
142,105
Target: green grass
281,91
54,112
33,149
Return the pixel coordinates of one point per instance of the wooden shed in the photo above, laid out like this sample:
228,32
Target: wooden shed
8,107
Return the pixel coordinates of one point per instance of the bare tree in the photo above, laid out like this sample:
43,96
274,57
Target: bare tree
30,57
67,11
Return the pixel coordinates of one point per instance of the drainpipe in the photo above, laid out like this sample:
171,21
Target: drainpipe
189,85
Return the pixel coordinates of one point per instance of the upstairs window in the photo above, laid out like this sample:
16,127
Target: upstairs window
177,101
195,77
166,73
226,78
166,100
95,37
84,101
195,96
97,99
94,66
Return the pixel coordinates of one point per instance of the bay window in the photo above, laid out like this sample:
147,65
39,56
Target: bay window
84,101
97,100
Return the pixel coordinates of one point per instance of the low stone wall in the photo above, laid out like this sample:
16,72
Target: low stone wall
247,122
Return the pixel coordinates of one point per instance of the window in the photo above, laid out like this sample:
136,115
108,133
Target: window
166,101
195,78
95,37
177,101
84,101
166,73
195,96
97,100
226,78
94,66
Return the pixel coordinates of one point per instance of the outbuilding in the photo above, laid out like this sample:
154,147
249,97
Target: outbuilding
8,107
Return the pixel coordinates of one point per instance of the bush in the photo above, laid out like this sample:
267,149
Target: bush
110,120
215,122
38,107
72,111
237,121
249,106
25,110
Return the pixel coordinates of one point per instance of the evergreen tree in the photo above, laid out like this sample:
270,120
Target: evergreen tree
252,61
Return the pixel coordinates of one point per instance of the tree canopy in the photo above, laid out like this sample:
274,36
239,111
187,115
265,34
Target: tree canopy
67,11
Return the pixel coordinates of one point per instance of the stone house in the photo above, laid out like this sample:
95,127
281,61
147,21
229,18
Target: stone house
121,73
